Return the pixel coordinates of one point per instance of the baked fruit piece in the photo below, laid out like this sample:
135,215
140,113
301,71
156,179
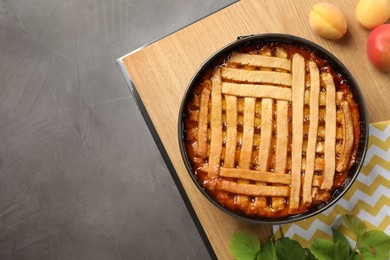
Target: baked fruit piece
271,131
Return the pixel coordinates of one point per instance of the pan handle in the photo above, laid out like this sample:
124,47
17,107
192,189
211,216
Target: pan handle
244,36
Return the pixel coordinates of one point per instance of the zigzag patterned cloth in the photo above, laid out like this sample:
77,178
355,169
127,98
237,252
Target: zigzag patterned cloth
368,198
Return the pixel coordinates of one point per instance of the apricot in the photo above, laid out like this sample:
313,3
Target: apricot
371,13
328,21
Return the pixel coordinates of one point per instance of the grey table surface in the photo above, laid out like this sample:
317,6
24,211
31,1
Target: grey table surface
80,175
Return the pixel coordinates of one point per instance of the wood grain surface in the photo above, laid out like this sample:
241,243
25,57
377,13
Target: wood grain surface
162,71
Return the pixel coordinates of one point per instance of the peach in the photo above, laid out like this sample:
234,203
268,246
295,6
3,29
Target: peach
328,21
371,13
378,47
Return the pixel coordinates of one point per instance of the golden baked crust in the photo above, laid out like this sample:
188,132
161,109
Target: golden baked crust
312,135
271,132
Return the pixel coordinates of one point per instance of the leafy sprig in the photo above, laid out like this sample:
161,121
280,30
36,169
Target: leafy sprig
244,246
372,244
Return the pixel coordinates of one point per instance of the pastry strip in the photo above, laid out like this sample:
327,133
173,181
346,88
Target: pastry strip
281,135
348,137
247,145
298,87
330,132
201,148
279,203
312,136
265,140
216,126
231,130
269,177
247,140
256,76
281,146
258,91
319,164
253,190
260,61
266,133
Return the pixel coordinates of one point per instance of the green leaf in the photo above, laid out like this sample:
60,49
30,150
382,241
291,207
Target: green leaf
309,254
268,251
337,235
244,246
374,244
342,247
327,250
341,250
355,224
323,249
353,256
287,249
366,253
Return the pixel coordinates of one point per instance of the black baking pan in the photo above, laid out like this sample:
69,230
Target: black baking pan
336,64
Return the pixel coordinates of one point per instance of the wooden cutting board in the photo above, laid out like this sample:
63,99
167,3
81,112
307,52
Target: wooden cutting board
161,71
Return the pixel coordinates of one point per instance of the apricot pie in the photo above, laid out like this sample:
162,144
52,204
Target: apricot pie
271,131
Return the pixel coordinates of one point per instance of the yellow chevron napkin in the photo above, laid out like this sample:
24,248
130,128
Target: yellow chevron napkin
368,197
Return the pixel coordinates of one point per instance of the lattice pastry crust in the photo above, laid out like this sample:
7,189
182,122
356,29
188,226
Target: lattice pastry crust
269,132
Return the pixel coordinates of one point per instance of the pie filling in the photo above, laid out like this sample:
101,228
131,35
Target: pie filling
272,131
